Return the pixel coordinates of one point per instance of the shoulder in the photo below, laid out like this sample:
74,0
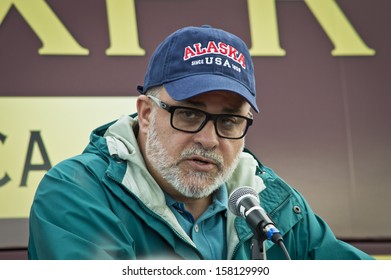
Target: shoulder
285,204
278,192
79,176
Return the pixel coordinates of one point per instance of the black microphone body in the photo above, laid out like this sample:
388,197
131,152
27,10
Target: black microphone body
244,202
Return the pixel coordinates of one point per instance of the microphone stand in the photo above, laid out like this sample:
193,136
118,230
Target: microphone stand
258,251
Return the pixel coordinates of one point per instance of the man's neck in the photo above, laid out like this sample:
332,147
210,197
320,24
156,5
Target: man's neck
198,206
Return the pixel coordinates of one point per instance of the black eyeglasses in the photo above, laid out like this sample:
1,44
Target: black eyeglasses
193,120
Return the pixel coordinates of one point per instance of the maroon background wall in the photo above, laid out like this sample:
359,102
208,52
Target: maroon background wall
324,122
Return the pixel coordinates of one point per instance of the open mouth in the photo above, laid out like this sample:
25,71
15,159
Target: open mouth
202,164
202,160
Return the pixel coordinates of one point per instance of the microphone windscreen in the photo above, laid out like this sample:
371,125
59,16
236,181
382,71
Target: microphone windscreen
236,195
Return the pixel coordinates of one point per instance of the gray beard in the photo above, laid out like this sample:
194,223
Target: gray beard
191,184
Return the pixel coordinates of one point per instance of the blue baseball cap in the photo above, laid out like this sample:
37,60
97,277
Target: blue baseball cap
196,60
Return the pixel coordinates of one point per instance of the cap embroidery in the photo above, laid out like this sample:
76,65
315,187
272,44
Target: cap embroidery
213,48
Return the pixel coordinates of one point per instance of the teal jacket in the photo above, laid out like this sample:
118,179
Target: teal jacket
103,204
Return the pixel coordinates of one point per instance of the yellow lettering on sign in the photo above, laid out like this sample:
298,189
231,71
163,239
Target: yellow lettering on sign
122,22
265,36
38,132
338,28
264,28
123,28
55,38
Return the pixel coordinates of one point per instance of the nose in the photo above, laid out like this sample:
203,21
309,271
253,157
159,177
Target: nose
207,136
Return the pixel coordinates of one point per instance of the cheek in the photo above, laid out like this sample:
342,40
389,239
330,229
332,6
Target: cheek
231,149
172,140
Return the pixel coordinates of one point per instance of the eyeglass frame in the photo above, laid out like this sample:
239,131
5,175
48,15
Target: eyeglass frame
208,116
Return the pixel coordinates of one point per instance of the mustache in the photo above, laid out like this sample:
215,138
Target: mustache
208,154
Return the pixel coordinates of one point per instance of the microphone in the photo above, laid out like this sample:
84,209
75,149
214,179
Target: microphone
244,202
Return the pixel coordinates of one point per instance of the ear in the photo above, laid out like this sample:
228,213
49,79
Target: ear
144,108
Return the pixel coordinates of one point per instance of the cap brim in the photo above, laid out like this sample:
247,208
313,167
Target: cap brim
191,86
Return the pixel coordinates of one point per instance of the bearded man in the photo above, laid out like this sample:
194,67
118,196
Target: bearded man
156,184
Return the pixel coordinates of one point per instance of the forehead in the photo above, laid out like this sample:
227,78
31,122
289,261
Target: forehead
225,99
